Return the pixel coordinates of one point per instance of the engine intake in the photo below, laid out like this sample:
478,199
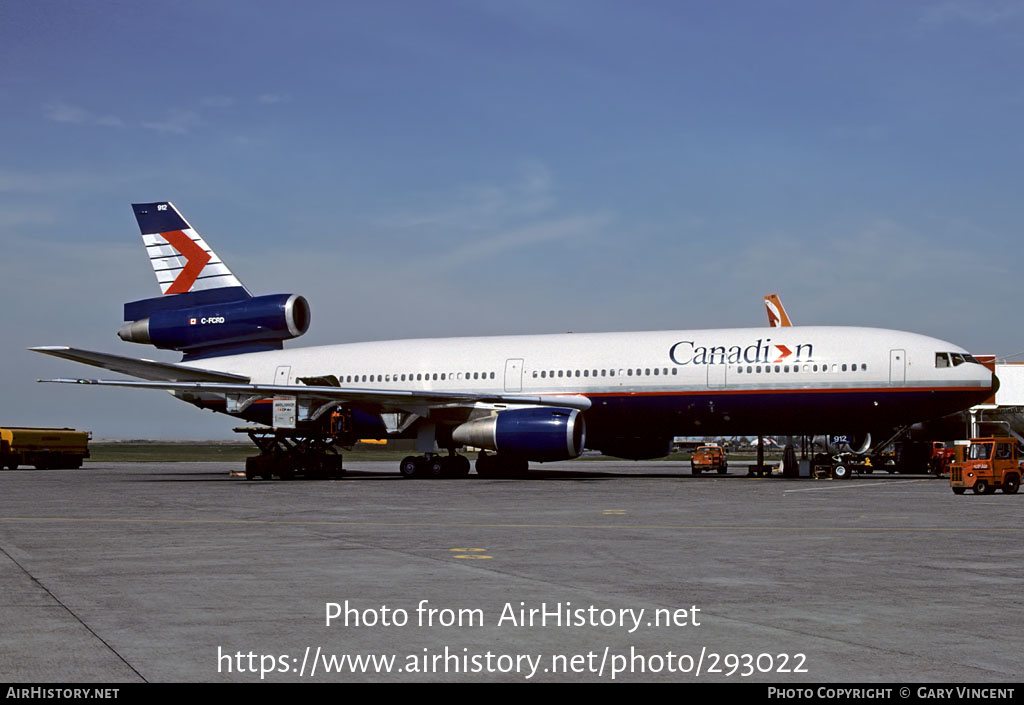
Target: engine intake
540,433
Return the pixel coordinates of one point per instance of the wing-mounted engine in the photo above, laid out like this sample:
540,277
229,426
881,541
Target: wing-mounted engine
856,443
542,434
216,322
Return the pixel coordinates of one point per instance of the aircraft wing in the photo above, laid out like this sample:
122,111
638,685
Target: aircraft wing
384,398
144,369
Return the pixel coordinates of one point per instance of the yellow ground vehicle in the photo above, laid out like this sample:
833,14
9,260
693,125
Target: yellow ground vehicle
48,448
708,458
991,463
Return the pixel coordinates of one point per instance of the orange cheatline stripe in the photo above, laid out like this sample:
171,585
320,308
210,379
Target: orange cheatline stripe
196,256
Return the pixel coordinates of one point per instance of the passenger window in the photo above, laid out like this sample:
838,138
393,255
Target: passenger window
777,368
675,370
655,371
647,371
757,369
786,368
844,367
630,372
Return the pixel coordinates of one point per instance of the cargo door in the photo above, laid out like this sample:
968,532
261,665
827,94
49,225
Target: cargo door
514,375
897,366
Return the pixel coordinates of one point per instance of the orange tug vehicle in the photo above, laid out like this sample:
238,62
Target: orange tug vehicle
991,463
708,458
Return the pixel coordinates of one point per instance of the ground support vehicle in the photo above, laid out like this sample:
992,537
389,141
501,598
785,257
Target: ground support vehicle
941,458
839,466
44,448
992,463
709,458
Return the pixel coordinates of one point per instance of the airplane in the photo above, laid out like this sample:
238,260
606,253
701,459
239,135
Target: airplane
777,317
519,399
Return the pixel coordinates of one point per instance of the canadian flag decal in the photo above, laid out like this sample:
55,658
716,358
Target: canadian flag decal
786,352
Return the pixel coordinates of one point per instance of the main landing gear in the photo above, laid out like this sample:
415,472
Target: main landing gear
287,454
435,466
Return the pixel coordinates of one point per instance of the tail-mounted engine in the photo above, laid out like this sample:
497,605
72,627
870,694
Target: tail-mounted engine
204,324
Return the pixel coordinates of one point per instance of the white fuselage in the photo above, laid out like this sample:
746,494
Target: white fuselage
751,380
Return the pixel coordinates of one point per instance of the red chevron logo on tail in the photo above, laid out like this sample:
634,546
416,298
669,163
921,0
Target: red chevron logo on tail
195,255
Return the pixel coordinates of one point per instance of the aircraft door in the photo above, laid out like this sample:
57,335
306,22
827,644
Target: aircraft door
514,375
897,366
716,376
282,374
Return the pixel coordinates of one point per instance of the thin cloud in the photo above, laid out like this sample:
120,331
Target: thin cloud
177,122
981,14
75,115
271,98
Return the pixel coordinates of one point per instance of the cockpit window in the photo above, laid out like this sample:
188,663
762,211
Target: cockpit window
942,359
958,359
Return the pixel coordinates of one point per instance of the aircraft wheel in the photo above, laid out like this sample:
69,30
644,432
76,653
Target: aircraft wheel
461,466
410,466
1011,485
485,465
514,467
982,487
840,472
958,490
438,467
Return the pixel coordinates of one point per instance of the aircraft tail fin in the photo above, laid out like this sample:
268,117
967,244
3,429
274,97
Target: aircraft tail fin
203,310
181,259
777,317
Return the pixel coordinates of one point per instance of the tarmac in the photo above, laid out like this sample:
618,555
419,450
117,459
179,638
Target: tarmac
587,571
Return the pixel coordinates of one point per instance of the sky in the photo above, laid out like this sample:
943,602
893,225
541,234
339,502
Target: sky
476,167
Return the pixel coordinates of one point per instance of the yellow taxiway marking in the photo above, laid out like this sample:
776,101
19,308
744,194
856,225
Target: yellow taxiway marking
467,550
475,556
616,512
471,553
472,525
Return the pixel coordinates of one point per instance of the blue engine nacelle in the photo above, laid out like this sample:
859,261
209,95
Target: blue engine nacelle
541,433
202,329
856,443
